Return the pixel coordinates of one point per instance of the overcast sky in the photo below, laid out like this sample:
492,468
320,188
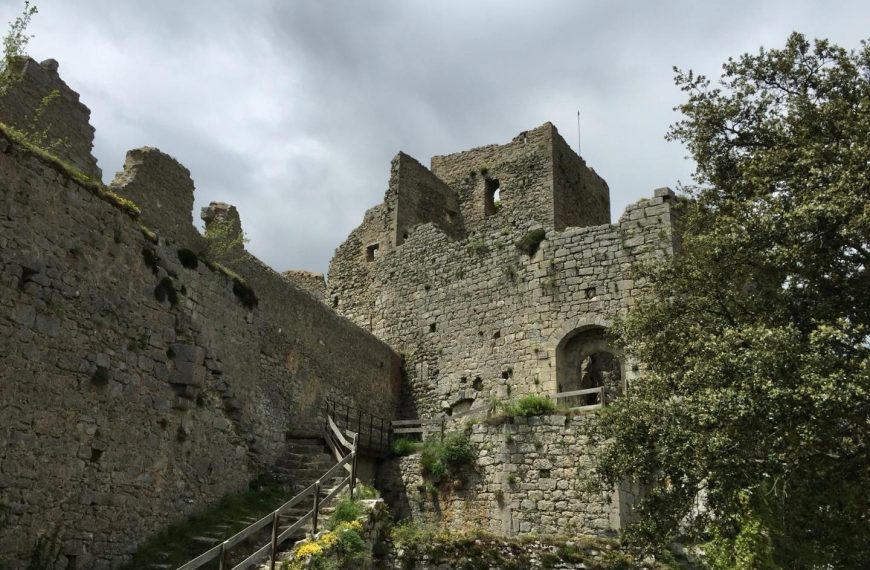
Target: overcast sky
292,110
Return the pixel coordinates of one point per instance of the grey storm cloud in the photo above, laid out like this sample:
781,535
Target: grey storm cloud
292,110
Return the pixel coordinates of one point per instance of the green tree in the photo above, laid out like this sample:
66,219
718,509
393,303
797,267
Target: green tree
749,425
15,41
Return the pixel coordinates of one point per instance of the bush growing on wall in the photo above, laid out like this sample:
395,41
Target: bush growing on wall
438,458
530,405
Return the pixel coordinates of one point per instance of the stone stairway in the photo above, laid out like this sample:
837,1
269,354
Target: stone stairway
302,463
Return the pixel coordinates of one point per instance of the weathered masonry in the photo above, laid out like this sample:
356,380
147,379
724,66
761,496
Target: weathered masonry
137,382
498,273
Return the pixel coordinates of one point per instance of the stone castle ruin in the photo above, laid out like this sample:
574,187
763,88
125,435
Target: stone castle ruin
140,381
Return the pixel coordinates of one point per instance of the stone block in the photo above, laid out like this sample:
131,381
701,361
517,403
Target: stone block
188,373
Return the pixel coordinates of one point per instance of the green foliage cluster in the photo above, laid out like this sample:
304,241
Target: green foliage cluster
525,406
225,240
754,336
531,405
15,42
21,140
531,241
346,510
448,456
341,544
478,549
477,247
401,446
363,492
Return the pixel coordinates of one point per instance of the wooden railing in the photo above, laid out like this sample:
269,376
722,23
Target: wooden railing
425,427
434,425
600,390
347,461
373,430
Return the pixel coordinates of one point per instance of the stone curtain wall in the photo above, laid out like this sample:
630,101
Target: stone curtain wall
136,388
527,477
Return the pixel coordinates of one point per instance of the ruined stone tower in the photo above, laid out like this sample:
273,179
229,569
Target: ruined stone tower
498,273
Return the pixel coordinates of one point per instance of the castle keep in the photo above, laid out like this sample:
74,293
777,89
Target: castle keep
496,274
140,382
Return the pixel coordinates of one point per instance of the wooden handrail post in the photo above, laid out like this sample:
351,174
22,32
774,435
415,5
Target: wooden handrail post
274,541
316,508
224,563
602,396
353,466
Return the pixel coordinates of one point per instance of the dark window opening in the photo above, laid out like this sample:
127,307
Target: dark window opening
372,252
585,360
478,383
491,196
432,327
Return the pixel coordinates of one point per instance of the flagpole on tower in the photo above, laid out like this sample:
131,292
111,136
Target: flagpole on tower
578,132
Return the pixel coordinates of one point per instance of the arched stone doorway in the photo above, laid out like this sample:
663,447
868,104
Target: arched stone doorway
585,359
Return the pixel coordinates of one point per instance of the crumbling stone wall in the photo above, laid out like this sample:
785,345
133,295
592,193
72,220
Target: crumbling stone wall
522,171
580,196
420,197
137,384
480,319
494,314
311,281
528,476
63,121
162,188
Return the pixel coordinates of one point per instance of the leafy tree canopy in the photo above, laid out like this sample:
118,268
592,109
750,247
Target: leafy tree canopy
749,425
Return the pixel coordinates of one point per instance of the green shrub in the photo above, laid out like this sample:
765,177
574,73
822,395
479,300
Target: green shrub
530,242
430,460
530,405
477,247
438,458
364,492
351,545
407,533
346,511
402,446
457,449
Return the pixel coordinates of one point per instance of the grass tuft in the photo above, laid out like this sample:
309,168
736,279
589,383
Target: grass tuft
19,139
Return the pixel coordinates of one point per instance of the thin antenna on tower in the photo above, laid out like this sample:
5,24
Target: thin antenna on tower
578,132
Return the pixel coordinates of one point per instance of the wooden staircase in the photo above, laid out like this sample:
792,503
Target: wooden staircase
303,463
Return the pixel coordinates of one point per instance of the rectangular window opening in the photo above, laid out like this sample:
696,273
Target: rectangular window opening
372,252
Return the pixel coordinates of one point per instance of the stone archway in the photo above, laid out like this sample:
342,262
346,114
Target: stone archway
585,359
